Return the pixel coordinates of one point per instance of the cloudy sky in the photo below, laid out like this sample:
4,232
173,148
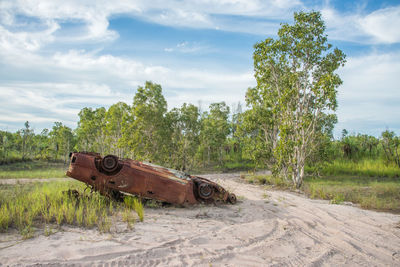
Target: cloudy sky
57,57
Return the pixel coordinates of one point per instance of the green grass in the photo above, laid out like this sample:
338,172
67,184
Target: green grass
371,193
370,183
33,169
30,206
134,203
365,167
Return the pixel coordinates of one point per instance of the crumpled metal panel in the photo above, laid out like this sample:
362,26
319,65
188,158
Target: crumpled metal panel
112,176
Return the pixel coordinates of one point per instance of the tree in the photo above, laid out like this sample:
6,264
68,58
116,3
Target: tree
148,130
214,130
185,125
25,137
391,147
295,96
43,146
258,128
91,130
117,119
7,141
62,139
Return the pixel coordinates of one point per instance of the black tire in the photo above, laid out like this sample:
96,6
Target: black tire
205,191
109,163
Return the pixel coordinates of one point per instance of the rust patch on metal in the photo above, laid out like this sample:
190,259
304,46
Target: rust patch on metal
114,177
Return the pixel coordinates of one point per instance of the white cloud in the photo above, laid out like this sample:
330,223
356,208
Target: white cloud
30,41
102,80
378,27
95,15
383,25
370,93
251,16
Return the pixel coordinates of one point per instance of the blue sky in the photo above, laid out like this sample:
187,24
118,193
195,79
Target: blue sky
57,57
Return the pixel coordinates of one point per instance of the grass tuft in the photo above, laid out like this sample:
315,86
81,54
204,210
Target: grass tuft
133,203
137,204
28,206
128,217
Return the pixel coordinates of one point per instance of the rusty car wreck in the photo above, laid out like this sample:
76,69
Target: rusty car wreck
116,177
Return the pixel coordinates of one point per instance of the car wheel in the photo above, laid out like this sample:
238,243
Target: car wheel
109,163
206,191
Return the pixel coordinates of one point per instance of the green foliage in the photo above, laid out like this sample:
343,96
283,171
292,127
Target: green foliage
91,130
117,120
149,129
391,147
185,126
290,108
26,145
62,140
214,131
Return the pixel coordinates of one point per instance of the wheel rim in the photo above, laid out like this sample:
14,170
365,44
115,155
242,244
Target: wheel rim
110,163
206,191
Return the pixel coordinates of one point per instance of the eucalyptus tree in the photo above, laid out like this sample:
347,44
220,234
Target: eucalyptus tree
148,131
25,140
91,130
7,143
63,140
117,119
185,125
295,96
215,128
43,146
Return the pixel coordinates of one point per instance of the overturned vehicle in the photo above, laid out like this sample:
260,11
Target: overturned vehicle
115,177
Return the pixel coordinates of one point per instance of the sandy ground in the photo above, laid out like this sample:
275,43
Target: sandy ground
266,228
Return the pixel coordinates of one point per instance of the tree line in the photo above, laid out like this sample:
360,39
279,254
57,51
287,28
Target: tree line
183,138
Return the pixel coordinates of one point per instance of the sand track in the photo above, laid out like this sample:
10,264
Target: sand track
280,229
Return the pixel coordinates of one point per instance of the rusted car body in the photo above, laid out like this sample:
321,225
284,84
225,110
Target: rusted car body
112,176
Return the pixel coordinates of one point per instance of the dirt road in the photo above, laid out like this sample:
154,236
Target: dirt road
266,228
